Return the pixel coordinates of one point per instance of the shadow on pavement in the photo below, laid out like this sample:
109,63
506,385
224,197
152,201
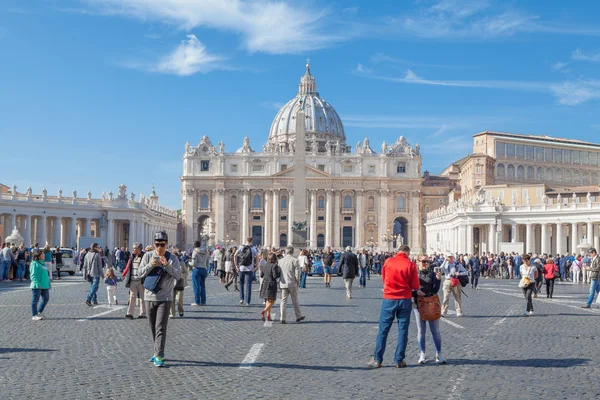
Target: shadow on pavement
4,350
187,363
531,362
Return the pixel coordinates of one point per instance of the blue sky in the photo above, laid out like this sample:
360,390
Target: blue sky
95,93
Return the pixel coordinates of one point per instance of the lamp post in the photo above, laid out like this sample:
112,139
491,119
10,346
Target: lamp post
371,243
228,241
388,238
206,237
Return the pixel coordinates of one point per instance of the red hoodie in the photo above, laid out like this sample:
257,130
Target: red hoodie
400,277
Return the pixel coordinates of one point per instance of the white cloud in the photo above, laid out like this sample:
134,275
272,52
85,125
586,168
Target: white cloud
559,66
581,56
272,105
362,69
571,93
188,58
266,26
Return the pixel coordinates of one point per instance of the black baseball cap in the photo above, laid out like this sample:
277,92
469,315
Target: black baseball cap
161,236
592,250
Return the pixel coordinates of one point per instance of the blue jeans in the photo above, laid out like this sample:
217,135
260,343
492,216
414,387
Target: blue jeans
303,280
363,276
594,288
517,271
4,268
199,284
35,298
390,310
93,289
21,269
434,326
211,266
368,272
246,286
377,268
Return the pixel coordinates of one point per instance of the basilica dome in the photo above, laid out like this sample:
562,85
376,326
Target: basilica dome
323,123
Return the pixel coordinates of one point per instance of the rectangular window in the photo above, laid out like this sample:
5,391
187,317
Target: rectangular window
566,156
401,167
321,203
500,150
256,217
257,167
284,217
575,156
539,192
547,154
204,165
371,169
510,150
347,218
520,152
321,167
557,155
529,153
283,167
594,159
585,159
348,169
233,168
539,154
320,218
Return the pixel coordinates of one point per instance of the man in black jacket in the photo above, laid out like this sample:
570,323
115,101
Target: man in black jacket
349,266
328,260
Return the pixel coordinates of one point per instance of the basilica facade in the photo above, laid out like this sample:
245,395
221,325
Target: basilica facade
304,178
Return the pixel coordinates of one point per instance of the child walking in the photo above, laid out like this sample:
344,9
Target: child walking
110,280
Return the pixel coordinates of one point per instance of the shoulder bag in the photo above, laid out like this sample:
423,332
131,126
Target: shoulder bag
429,307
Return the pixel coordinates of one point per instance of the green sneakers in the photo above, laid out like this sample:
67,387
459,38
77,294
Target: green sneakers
158,361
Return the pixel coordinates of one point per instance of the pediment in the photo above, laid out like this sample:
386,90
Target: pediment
310,172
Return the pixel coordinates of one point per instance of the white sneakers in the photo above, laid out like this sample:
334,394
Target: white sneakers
422,358
458,314
440,359
37,317
530,312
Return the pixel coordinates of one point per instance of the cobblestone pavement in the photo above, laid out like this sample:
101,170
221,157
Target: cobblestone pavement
224,351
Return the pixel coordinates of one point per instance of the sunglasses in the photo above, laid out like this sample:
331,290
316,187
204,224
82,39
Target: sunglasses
425,261
160,244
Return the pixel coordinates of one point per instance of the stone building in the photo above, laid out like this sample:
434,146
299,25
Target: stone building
305,178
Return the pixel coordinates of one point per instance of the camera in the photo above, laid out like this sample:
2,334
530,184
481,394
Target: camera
438,270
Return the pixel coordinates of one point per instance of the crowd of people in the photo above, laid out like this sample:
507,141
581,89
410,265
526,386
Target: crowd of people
156,278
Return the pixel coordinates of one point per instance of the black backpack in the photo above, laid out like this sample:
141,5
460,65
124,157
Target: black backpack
246,259
153,281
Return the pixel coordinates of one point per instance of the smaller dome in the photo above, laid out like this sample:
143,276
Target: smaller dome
246,148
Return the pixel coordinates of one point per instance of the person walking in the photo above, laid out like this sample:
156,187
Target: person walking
22,259
110,280
363,264
179,289
48,260
92,272
199,261
475,265
430,283
288,282
158,302
304,265
246,264
594,272
528,272
269,273
219,258
576,268
400,278
349,268
328,260
232,276
133,281
550,272
452,270
40,285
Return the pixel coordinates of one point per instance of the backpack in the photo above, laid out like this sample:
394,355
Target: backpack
246,257
153,281
464,280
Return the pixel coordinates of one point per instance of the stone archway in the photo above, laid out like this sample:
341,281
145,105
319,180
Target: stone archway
203,226
401,227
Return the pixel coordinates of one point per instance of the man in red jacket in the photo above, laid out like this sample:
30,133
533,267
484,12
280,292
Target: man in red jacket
400,278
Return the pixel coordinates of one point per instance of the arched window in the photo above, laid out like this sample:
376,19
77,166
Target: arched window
577,178
320,241
521,172
283,202
371,203
233,202
204,201
511,171
549,175
256,201
585,178
347,201
530,173
283,240
594,178
401,203
567,176
321,203
540,174
501,170
558,175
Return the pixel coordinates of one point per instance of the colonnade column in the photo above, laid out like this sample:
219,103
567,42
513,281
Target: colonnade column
545,239
559,239
132,236
590,233
461,239
56,232
42,238
110,227
245,211
267,236
290,216
469,247
328,221
13,223
27,235
574,237
276,216
492,238
359,225
513,233
313,219
529,239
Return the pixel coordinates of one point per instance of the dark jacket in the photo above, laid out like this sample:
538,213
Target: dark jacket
328,259
349,265
429,284
129,269
270,273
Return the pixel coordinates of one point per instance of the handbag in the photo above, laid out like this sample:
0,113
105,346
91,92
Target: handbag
429,307
153,281
556,273
180,285
454,282
524,282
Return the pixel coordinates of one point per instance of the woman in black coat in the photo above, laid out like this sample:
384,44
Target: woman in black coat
270,274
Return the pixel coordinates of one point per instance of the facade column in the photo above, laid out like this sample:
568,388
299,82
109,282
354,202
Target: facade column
492,238
469,247
27,233
245,211
328,221
337,242
313,219
290,207
383,209
574,237
529,239
590,233
462,238
110,232
359,223
276,206
43,229
13,223
267,235
545,239
559,239
220,230
73,232
132,236
513,233
56,232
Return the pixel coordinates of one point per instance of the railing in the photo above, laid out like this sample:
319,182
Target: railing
347,210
